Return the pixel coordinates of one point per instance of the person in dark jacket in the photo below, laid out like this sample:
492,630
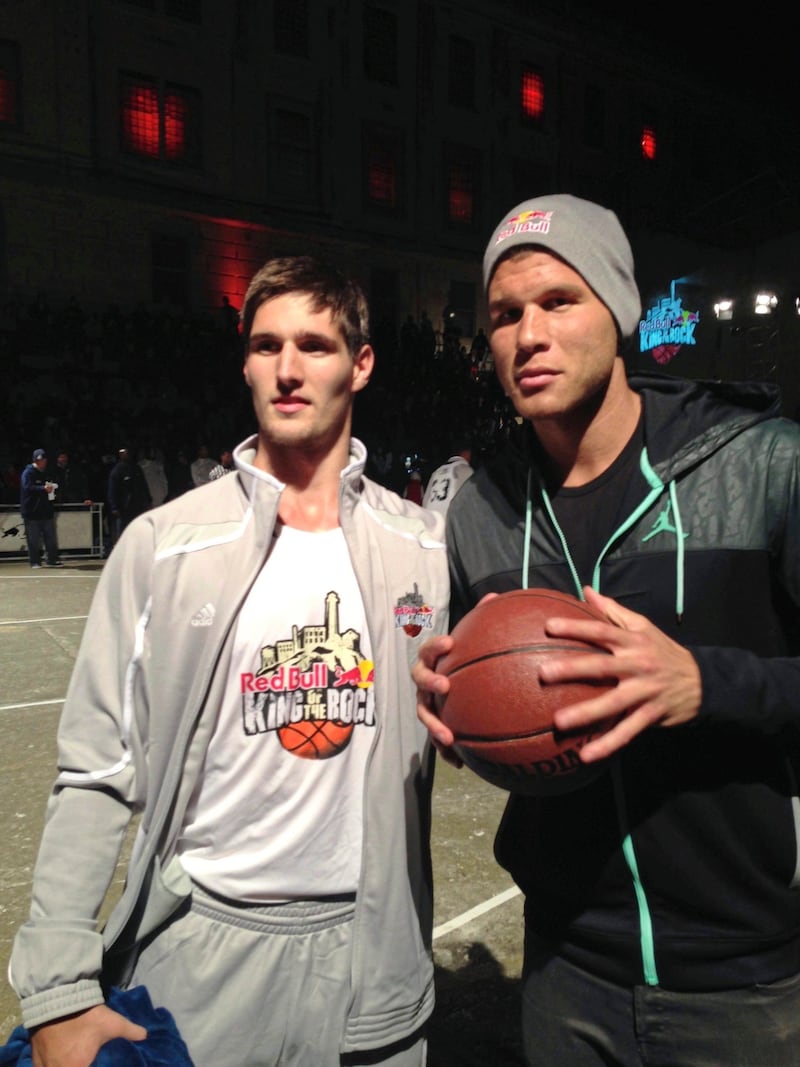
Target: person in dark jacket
128,494
73,481
179,476
36,496
662,900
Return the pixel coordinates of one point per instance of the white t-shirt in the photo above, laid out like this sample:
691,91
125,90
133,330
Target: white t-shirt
277,814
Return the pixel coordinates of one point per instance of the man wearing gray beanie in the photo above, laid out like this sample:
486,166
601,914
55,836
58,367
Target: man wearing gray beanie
662,899
586,236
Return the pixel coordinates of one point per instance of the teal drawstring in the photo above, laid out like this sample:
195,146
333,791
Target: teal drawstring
646,938
654,480
564,546
679,554
647,945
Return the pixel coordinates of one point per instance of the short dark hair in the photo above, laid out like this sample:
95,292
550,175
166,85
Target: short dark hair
326,285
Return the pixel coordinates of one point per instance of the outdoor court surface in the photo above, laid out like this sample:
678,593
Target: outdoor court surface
478,912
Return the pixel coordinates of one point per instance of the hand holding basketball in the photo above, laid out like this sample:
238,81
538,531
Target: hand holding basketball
501,716
658,679
430,686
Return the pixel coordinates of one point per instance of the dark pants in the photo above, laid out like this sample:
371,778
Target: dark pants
572,1018
37,530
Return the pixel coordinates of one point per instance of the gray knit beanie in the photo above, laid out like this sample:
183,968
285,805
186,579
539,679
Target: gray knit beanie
588,237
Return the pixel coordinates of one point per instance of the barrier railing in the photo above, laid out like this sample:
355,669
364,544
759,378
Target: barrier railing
79,530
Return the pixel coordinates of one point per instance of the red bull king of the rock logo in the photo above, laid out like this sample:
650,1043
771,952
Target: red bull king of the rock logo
526,222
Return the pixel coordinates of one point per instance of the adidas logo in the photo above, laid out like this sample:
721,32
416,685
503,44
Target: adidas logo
205,616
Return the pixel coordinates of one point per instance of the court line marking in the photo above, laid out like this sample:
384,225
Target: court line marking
31,704
53,618
476,912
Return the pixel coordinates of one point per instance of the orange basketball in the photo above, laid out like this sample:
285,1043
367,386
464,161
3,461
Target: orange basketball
500,714
315,738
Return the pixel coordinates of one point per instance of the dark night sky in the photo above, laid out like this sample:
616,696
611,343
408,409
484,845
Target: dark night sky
749,51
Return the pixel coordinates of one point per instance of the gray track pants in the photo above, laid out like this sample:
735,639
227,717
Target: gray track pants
260,986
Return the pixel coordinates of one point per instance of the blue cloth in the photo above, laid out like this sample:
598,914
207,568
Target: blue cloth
163,1046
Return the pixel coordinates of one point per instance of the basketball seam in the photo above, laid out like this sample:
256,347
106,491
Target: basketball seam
514,650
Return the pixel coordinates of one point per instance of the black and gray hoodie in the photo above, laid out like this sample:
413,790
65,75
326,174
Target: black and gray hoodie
680,866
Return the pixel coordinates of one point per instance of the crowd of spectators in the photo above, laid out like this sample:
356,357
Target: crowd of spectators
167,385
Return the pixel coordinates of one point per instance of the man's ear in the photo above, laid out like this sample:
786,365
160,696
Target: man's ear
245,372
363,364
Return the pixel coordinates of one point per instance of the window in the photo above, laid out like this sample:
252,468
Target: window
291,165
594,117
461,82
532,94
461,180
648,143
290,27
170,263
141,123
9,85
382,169
380,45
161,123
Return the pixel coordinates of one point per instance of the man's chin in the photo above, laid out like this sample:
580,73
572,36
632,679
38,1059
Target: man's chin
533,408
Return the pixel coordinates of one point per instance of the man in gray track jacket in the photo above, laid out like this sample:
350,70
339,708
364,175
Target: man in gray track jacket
243,686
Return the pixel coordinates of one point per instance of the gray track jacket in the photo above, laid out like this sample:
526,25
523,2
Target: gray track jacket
137,719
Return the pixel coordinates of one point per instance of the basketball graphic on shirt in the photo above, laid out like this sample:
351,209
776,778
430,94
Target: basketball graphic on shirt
316,739
311,689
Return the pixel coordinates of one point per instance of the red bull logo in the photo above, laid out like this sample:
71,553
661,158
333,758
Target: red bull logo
413,619
666,328
362,675
528,216
526,222
285,679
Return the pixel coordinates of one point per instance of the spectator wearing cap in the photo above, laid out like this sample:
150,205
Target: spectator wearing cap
36,506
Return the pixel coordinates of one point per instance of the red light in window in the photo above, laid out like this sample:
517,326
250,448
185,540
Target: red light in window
648,143
460,197
382,180
174,126
140,123
460,205
8,99
532,94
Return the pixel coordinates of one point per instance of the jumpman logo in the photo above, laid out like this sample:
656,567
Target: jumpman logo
664,524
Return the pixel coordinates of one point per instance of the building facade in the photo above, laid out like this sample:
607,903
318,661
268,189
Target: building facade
157,151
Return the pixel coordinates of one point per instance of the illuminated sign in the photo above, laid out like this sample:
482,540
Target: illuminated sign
666,327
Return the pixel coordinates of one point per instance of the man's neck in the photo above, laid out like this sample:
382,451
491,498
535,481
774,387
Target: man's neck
310,499
581,450
314,510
